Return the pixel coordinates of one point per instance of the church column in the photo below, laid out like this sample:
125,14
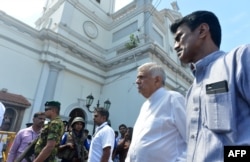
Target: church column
147,18
50,87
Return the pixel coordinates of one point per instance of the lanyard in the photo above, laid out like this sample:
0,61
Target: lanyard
99,128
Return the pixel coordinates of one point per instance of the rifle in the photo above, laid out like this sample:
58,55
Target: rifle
28,152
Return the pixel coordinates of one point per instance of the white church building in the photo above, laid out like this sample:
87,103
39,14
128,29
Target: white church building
83,47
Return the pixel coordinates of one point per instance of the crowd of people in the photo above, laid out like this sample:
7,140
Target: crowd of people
169,127
69,141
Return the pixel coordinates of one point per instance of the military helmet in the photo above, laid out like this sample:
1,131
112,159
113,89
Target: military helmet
77,119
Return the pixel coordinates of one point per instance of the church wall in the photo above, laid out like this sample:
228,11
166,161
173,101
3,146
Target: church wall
73,86
20,69
85,49
20,72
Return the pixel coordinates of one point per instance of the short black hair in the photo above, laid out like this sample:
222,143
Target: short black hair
89,137
196,18
86,131
122,125
103,112
38,114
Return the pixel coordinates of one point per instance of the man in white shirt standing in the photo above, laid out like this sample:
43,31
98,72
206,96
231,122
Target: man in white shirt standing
159,132
103,140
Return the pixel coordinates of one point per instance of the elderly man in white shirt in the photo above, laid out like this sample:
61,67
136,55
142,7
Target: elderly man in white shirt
159,132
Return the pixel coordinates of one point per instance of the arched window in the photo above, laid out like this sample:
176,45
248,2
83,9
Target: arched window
75,113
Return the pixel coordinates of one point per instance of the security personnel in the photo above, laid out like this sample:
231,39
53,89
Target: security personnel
49,140
72,147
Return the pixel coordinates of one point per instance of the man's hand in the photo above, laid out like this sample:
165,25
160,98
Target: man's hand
70,145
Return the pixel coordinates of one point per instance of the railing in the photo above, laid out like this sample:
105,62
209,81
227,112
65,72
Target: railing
6,140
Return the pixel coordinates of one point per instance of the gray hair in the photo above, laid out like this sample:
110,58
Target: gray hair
154,70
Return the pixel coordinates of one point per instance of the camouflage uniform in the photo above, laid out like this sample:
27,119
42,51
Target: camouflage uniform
51,131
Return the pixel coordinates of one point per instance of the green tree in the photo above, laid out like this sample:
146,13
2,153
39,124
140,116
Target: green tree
133,42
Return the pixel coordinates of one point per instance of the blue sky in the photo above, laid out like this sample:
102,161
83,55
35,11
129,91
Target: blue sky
233,15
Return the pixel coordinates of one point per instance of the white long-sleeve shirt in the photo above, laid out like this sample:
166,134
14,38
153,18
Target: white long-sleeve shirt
160,130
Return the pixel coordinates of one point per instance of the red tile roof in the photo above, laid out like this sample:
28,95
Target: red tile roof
14,99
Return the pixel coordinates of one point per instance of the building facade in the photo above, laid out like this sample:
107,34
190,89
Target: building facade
84,47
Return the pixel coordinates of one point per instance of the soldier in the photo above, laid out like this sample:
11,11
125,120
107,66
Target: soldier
46,146
72,147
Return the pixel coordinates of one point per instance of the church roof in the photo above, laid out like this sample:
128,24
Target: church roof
13,99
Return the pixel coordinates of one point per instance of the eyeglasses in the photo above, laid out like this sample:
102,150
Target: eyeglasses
47,109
